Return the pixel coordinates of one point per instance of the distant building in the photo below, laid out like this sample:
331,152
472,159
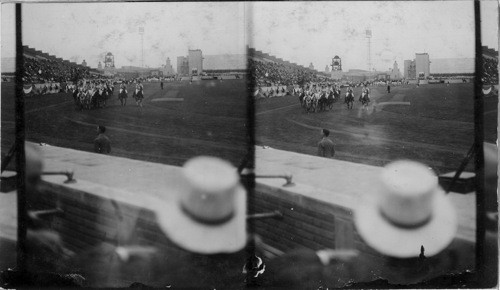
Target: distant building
410,71
109,60
99,66
156,73
195,61
422,65
311,66
327,69
84,63
395,73
167,69
182,65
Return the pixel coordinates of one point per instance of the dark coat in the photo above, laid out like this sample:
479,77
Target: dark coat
302,269
326,148
102,144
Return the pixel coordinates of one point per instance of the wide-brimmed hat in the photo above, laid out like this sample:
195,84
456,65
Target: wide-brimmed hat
407,210
208,215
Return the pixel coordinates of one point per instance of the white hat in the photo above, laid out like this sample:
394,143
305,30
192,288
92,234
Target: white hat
209,212
409,210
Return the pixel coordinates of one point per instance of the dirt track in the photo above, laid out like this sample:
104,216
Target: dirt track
436,128
211,120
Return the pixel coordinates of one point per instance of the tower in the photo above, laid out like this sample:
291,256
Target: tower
336,68
141,32
336,63
109,60
369,43
99,66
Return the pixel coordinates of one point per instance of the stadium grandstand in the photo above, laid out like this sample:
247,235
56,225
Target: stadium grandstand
490,66
268,69
224,63
440,66
41,67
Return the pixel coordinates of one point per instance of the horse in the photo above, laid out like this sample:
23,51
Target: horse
315,102
349,100
99,98
322,101
301,99
122,96
138,96
308,100
78,104
364,99
330,100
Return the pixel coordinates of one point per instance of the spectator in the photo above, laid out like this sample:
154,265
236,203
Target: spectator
44,247
101,143
406,215
325,146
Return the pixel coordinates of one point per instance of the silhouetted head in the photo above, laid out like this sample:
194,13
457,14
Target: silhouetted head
101,129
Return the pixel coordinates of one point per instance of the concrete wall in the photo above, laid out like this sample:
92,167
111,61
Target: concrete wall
119,208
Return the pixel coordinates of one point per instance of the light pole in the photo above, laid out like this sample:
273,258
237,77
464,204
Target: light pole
141,32
368,37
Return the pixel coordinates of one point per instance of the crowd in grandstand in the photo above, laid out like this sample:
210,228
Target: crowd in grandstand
490,71
37,70
280,74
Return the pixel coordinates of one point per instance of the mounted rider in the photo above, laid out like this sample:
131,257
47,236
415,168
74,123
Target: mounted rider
122,95
365,95
138,94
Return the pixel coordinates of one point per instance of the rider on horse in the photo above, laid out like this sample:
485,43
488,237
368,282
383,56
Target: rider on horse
122,96
349,97
365,95
139,93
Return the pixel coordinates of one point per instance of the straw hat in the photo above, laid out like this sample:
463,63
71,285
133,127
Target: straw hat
209,212
409,210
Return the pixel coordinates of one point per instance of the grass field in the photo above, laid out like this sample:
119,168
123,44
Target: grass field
211,120
436,128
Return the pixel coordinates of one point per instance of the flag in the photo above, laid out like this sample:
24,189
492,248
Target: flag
27,89
487,91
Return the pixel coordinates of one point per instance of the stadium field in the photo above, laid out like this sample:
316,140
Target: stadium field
182,121
436,127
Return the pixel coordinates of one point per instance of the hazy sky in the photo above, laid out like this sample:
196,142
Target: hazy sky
305,32
90,30
301,32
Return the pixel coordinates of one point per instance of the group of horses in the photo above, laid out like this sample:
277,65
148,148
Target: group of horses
92,98
320,101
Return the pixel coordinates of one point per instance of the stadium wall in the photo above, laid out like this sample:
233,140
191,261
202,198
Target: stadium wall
262,56
121,210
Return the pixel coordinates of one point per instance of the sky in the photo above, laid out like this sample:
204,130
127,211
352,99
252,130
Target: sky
301,32
305,32
90,30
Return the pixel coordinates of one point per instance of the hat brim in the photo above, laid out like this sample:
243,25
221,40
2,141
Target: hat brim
390,240
201,238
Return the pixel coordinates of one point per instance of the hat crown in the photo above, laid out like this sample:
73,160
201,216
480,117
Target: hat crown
211,186
408,189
